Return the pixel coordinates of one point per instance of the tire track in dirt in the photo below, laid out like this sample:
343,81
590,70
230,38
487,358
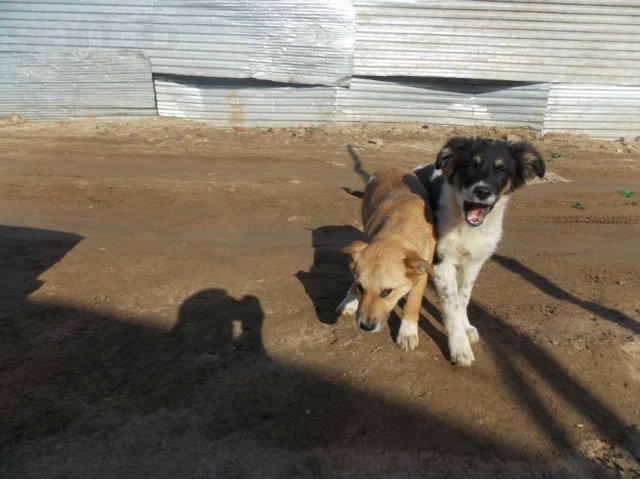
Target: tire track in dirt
586,219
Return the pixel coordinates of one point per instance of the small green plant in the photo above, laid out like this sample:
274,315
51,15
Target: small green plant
625,193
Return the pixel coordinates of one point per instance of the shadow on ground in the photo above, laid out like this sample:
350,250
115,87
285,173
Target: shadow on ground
549,288
87,394
509,347
330,267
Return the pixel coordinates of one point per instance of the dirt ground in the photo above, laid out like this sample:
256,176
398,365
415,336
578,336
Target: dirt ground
167,293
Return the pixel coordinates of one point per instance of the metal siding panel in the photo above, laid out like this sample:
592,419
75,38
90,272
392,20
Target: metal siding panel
237,103
230,103
596,110
76,84
279,40
443,101
606,111
580,42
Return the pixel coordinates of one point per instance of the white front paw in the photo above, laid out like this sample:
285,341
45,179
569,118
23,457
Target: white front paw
472,333
408,335
348,307
407,342
460,350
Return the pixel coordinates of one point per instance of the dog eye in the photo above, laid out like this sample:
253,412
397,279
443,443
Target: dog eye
359,287
386,292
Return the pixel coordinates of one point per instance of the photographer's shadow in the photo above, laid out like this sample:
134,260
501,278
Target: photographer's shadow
232,326
242,392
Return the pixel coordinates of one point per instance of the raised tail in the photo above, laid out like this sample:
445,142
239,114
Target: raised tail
357,165
355,193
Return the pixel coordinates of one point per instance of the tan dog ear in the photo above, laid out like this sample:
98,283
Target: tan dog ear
354,250
416,265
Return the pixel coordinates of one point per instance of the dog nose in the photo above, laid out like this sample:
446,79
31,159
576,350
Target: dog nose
482,192
367,327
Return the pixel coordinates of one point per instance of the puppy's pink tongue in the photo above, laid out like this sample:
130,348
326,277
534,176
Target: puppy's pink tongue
475,214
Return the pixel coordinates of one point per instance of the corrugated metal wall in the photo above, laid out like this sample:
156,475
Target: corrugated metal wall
250,103
76,84
594,110
581,41
254,103
294,41
444,101
545,64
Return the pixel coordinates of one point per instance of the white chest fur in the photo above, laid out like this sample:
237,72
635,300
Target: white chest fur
459,242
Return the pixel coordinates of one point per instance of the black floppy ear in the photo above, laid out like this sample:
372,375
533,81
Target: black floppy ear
529,163
449,155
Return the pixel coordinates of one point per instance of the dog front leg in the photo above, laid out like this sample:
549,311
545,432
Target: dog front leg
467,275
349,306
408,333
453,316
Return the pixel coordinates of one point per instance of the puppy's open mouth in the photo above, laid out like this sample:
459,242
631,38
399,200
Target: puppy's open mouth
475,213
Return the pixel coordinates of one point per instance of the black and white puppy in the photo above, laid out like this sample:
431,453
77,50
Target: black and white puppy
469,187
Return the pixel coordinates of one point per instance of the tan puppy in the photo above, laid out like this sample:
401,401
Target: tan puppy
396,255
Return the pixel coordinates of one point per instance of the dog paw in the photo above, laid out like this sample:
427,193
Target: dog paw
408,335
407,342
463,359
460,351
472,333
347,307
